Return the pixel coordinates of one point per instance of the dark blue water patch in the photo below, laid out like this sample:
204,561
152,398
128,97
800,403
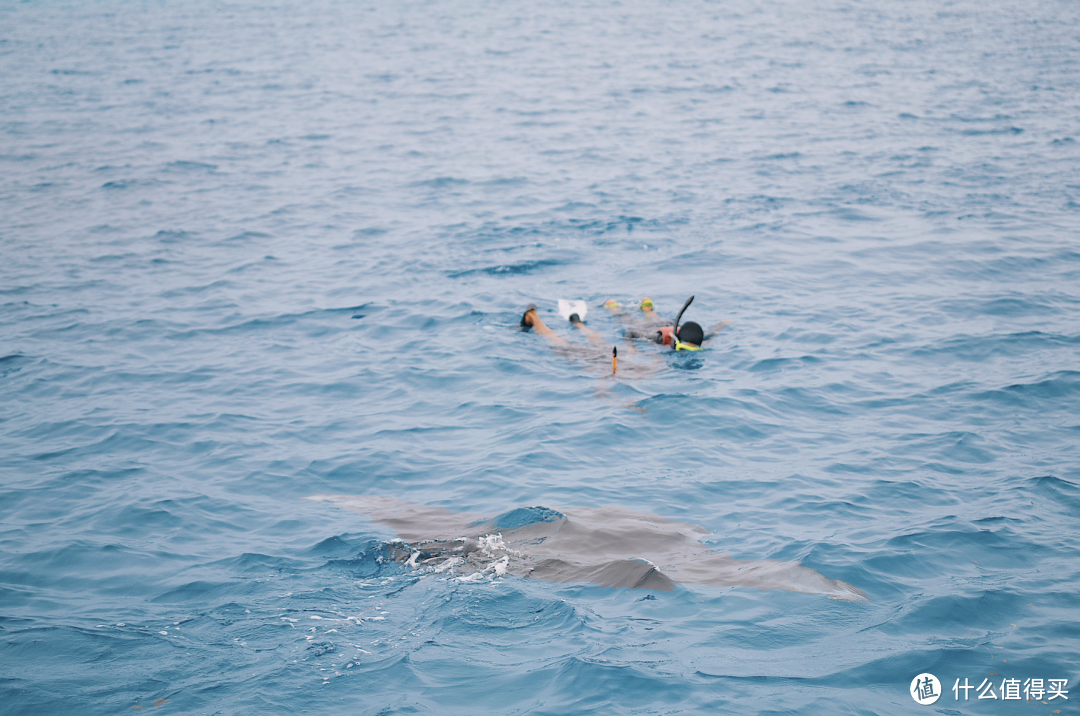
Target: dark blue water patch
720,419
627,223
544,233
13,364
770,365
981,120
120,184
848,213
523,517
248,236
506,182
944,450
810,509
687,361
138,520
1042,395
343,546
172,236
519,269
354,312
979,349
15,598
191,166
441,182
1011,307
506,618
105,228
601,687
203,591
369,232
253,563
108,258
491,231
1064,384
1057,494
1010,265
987,611
114,564
572,206
124,184
372,558
214,287
518,247
114,440
999,130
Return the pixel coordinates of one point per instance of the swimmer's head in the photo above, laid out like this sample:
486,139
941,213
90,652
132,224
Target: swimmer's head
691,332
646,304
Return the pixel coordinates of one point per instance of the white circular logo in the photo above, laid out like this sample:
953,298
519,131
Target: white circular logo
925,689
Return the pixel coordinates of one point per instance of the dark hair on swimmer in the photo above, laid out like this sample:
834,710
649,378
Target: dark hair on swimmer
691,332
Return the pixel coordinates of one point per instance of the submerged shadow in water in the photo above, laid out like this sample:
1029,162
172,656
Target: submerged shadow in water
609,546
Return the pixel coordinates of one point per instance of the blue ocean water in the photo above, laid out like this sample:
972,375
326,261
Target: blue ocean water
253,252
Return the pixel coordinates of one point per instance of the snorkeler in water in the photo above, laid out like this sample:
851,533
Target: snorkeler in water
632,364
689,336
531,319
649,325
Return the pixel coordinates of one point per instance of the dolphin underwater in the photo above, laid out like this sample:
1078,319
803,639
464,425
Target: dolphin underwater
607,546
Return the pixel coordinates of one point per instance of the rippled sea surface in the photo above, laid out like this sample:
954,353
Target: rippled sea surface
253,252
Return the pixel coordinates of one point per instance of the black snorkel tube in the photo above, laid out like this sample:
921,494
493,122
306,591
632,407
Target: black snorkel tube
675,331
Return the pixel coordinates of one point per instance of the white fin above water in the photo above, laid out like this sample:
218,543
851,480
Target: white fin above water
569,308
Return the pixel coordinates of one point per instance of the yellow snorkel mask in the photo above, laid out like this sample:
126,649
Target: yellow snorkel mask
675,342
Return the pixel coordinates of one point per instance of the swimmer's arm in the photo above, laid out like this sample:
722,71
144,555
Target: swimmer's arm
715,330
592,335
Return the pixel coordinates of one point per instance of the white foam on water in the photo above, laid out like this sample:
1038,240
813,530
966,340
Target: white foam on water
474,577
447,565
499,568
